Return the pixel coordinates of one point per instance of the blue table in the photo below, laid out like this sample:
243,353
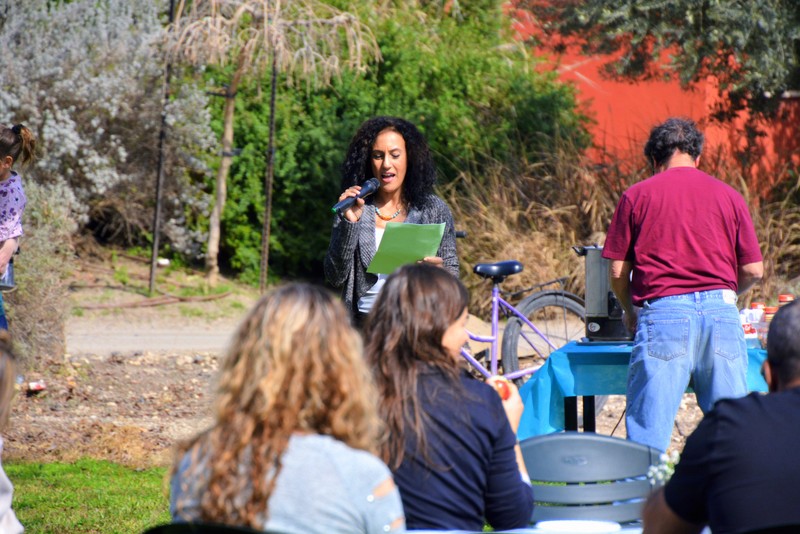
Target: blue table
587,369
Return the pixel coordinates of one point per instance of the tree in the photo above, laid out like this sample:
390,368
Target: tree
751,47
302,38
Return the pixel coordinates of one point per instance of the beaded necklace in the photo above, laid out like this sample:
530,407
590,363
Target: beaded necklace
384,217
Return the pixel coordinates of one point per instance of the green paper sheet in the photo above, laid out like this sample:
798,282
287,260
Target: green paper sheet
404,243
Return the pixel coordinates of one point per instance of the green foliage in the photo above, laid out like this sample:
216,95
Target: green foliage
474,93
190,312
309,145
201,290
751,46
88,496
122,276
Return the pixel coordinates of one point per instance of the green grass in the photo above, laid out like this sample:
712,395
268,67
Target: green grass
190,312
122,275
237,306
200,290
89,496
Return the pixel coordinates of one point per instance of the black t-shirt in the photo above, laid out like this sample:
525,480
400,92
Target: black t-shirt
740,470
474,474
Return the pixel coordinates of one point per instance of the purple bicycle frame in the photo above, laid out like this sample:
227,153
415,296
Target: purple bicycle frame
497,302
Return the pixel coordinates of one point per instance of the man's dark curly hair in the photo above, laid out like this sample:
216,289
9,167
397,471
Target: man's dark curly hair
420,173
675,133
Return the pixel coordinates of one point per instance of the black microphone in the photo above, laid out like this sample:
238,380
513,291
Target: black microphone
369,187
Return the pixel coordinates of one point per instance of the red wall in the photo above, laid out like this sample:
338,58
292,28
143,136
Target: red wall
624,112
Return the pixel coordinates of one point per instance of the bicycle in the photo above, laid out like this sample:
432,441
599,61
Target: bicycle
559,313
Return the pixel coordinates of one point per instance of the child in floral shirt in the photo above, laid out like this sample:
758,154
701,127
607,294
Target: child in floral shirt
16,144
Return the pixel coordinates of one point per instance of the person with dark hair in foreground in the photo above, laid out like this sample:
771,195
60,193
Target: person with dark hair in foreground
682,245
395,152
452,446
739,471
296,425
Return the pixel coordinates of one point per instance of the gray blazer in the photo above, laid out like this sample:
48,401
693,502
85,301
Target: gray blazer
352,248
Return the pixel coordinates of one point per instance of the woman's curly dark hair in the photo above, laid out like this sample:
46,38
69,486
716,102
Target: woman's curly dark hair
674,133
421,172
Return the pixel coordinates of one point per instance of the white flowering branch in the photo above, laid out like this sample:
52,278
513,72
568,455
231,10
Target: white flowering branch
659,474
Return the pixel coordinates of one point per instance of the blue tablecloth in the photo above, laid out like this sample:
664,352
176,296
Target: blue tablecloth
590,368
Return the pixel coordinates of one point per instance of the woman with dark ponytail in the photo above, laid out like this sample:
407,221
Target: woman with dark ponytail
17,144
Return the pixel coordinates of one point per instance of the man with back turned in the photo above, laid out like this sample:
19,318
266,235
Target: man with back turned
681,245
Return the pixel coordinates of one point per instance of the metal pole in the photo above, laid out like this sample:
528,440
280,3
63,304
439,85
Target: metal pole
162,138
268,178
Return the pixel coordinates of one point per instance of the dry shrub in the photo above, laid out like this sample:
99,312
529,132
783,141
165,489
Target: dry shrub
38,308
534,214
777,225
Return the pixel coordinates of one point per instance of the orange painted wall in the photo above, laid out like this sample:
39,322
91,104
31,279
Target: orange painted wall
623,114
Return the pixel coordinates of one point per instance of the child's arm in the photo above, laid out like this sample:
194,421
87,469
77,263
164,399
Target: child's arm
7,249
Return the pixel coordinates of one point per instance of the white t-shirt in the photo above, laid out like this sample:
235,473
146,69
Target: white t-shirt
366,302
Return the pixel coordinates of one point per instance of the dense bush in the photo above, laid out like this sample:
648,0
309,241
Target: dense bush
87,77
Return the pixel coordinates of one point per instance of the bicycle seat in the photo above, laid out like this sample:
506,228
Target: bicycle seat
497,271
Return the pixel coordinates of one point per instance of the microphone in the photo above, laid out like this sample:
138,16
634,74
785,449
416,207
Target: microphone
369,187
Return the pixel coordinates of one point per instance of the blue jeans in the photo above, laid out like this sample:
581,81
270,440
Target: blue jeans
3,320
696,335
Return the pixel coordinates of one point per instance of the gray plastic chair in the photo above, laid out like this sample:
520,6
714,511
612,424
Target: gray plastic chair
578,475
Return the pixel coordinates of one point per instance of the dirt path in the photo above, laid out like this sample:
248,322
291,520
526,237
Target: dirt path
133,380
129,408
151,334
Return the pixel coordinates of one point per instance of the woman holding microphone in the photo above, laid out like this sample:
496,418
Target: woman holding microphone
393,151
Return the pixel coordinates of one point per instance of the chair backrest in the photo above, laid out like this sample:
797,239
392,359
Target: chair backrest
202,528
579,475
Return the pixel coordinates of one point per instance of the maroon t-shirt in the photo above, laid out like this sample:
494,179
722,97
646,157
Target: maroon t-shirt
684,231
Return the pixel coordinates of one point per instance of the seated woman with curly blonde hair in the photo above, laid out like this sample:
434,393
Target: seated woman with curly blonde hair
296,428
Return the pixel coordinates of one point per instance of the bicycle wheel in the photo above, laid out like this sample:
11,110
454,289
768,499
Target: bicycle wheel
559,315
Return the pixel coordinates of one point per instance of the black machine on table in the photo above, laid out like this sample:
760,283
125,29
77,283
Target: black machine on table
603,311
603,324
